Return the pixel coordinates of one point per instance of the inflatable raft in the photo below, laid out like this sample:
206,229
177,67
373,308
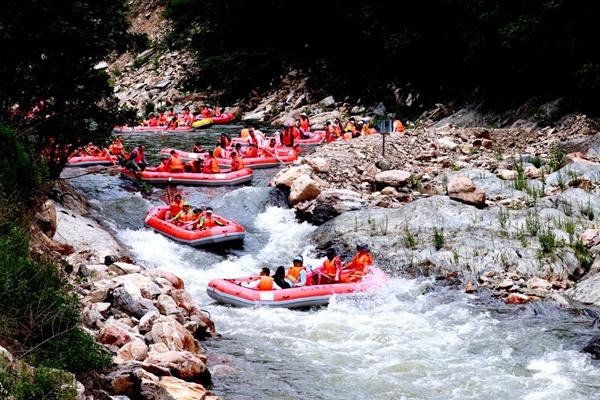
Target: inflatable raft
151,129
202,123
230,291
230,232
223,119
151,175
284,156
89,161
314,139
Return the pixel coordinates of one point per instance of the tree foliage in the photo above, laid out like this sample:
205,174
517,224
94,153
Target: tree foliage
353,47
49,50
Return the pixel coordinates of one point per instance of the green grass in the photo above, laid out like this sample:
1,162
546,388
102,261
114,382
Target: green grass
408,238
532,223
547,239
438,238
503,217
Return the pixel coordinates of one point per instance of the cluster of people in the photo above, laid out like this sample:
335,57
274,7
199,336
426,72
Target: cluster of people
334,129
182,214
171,120
331,271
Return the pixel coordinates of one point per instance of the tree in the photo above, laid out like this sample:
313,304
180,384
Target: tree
50,92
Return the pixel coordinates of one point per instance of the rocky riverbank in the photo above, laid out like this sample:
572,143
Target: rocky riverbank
505,210
145,318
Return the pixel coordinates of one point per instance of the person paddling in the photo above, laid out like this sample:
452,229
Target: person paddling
137,159
176,164
211,165
186,217
208,221
330,271
358,267
264,281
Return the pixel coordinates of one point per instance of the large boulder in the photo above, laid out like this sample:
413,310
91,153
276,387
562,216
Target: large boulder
134,350
171,388
182,364
115,333
166,305
303,188
171,333
329,204
286,177
46,218
131,304
393,177
587,291
464,190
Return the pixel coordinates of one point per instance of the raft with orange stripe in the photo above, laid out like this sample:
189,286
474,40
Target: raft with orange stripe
151,175
151,129
222,119
230,291
284,156
89,161
230,232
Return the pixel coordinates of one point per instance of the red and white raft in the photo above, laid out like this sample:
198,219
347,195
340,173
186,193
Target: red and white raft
283,156
151,175
230,291
89,161
151,129
222,119
230,232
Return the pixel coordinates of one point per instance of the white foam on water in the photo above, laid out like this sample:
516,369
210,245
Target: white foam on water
398,343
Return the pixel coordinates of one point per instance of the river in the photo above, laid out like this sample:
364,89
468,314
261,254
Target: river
413,340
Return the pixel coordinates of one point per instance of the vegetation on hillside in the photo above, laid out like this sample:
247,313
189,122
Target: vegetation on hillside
51,98
441,48
49,50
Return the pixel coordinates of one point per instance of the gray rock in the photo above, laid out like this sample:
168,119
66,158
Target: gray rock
138,307
582,169
329,204
327,102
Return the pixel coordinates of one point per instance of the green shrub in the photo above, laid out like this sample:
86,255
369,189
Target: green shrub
21,176
38,383
409,239
558,159
547,240
438,238
36,310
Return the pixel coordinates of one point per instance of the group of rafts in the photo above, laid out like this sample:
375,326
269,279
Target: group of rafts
180,222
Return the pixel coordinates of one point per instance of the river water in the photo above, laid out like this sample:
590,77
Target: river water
412,340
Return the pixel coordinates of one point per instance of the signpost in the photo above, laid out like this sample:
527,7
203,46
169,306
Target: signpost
385,128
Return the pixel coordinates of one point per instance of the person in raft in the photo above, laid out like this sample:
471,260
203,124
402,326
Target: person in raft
137,159
358,267
175,207
236,162
207,220
116,147
176,164
330,271
194,166
304,122
296,274
197,148
264,281
279,278
186,218
211,165
252,151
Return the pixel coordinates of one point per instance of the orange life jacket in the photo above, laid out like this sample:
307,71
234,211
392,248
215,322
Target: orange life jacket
116,148
360,262
287,138
175,207
153,122
186,217
244,133
398,126
266,283
347,135
237,164
139,156
304,125
293,273
176,164
212,167
329,267
218,152
252,152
